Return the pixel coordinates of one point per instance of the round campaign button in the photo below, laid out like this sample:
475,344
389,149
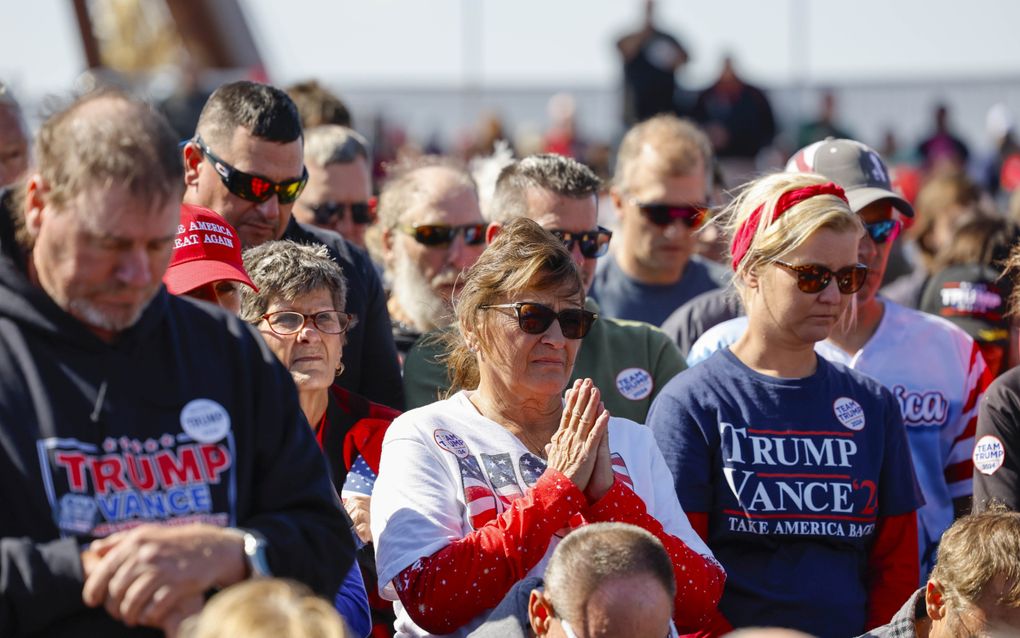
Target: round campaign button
989,454
634,383
849,413
205,421
451,443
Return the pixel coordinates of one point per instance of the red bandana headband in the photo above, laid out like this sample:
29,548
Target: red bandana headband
745,234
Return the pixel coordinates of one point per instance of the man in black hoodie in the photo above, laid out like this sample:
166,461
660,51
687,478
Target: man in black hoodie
246,162
122,406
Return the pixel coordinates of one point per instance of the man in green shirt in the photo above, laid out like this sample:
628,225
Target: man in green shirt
629,361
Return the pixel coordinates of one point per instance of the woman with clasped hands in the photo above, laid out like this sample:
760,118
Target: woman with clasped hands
475,491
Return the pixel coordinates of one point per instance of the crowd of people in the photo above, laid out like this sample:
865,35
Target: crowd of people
249,384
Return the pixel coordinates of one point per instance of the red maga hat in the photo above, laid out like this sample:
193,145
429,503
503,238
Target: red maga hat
206,249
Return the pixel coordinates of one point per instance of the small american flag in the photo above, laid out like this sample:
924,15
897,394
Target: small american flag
360,479
478,497
500,468
621,469
531,468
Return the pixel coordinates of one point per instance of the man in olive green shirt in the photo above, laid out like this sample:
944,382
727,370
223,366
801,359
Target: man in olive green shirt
629,361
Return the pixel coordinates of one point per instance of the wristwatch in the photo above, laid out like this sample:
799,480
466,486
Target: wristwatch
255,546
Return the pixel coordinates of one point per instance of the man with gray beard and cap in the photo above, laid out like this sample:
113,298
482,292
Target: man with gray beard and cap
432,231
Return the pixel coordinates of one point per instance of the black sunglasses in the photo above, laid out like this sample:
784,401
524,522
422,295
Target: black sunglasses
883,231
534,318
361,212
812,278
251,187
443,234
692,215
593,243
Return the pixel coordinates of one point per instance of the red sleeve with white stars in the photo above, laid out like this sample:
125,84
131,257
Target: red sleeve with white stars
699,580
478,570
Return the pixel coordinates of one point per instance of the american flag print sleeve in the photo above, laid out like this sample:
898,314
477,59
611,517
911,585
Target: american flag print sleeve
478,570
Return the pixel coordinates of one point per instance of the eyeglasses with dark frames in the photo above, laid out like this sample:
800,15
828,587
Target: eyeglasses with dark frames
361,212
814,278
250,186
535,318
593,243
289,322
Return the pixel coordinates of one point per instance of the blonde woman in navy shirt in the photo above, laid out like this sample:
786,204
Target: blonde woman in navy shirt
795,470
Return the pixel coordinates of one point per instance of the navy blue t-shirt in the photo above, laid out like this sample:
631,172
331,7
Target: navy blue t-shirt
621,297
794,474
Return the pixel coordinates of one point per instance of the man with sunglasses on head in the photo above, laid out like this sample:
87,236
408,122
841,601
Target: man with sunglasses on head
629,360
338,196
432,231
246,162
660,191
934,368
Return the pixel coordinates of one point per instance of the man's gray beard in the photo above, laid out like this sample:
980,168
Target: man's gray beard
426,310
92,316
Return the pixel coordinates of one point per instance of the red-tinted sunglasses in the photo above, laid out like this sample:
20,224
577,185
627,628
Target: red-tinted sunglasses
692,215
813,278
251,187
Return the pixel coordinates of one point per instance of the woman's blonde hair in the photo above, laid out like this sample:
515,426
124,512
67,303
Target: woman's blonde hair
774,239
266,608
524,256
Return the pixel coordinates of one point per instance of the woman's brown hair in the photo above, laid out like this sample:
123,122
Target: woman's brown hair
524,256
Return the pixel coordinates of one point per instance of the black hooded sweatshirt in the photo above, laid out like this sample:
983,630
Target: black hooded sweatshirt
187,417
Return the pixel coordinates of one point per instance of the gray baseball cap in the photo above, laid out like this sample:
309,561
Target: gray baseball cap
854,166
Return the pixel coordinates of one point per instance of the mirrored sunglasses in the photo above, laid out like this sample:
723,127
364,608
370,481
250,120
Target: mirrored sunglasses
883,231
535,318
252,187
593,243
692,215
288,322
813,278
443,234
361,212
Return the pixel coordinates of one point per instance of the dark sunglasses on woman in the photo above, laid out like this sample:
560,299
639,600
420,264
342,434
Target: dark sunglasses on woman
535,318
812,278
443,234
251,187
593,243
361,212
883,231
692,215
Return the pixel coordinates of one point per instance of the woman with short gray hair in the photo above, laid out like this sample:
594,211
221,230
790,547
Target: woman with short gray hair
299,311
